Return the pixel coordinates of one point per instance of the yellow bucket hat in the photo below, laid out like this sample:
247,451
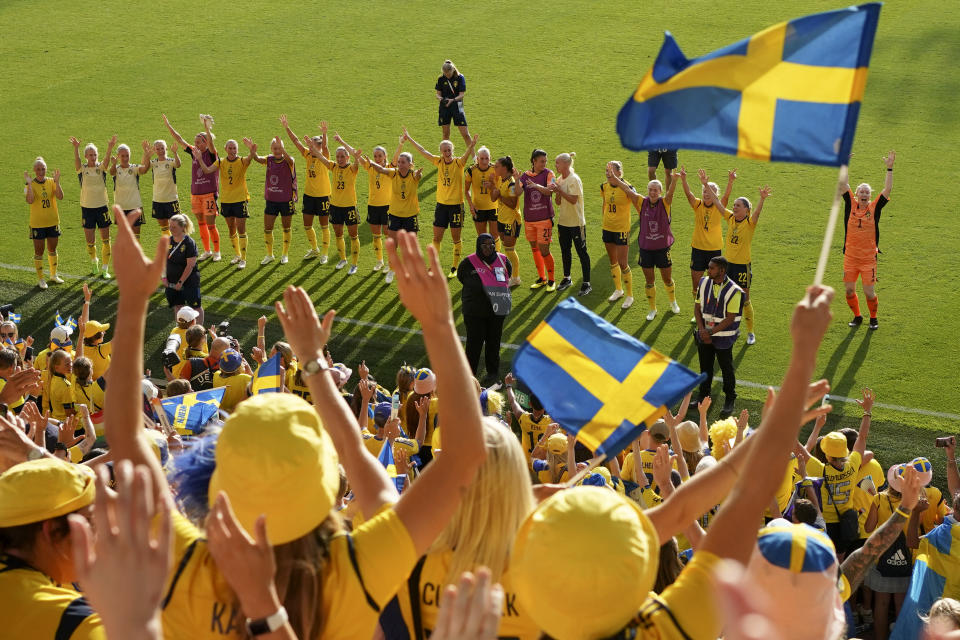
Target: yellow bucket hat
689,434
42,489
274,457
602,541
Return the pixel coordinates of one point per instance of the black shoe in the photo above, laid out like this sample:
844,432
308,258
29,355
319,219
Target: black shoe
728,408
564,284
585,288
856,322
874,324
694,405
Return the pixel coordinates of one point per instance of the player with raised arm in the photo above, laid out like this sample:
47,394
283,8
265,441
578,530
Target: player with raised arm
707,241
93,202
42,194
280,193
506,194
343,199
618,194
479,197
126,185
379,194
404,211
316,190
234,194
165,201
655,240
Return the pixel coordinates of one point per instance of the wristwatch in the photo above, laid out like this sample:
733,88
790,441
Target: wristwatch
35,454
313,367
271,623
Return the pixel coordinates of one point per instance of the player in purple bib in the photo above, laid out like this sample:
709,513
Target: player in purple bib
538,186
280,193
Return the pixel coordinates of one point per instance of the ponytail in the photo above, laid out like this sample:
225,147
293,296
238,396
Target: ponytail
507,163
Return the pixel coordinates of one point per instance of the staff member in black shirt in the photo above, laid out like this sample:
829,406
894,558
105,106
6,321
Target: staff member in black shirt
182,279
450,89
485,301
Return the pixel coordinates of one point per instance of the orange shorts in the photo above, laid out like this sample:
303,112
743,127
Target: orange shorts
864,269
204,204
540,231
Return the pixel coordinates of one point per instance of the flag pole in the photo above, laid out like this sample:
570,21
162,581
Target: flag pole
842,179
591,465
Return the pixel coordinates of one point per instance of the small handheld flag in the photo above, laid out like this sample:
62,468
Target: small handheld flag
192,411
269,377
69,324
595,380
388,462
13,317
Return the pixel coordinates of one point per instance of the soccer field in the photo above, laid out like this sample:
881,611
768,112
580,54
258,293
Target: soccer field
543,77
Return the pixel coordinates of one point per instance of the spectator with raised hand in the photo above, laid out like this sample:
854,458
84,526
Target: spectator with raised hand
470,610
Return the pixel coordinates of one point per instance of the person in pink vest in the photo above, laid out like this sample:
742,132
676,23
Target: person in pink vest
280,192
485,302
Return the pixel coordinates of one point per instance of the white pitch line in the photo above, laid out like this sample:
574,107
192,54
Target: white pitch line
513,347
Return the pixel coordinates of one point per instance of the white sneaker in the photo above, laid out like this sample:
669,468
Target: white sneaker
234,259
267,259
217,257
324,259
389,277
41,283
241,265
651,315
378,266
284,259
352,270
616,295
693,320
310,255
105,274
674,307
206,255
59,280
514,281
341,264
627,302
751,338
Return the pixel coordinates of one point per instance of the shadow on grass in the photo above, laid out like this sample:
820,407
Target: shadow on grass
844,385
837,356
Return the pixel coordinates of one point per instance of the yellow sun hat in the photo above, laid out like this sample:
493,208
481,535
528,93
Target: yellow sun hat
42,489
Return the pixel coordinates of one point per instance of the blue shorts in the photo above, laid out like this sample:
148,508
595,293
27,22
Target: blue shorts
344,215
234,210
316,205
165,210
668,156
397,223
41,233
189,296
282,209
742,274
448,215
377,215
618,238
96,218
453,112
700,258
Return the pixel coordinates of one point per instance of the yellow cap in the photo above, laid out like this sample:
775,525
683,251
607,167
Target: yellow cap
42,489
834,444
93,327
600,546
557,443
274,457
689,434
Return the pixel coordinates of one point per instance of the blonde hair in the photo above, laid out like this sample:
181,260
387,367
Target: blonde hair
162,143
407,155
40,160
566,157
617,164
655,182
89,146
443,142
482,529
714,186
483,149
184,222
863,184
380,148
946,609
449,66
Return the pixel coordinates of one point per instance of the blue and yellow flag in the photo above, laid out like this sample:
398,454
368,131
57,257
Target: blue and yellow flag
790,93
386,459
595,380
69,324
269,377
936,574
192,411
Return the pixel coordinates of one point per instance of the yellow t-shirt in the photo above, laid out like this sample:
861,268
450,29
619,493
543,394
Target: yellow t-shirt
34,606
13,405
404,201
164,179
380,188
374,444
478,193
785,491
318,177
646,467
616,208
236,389
449,180
838,482
126,187
100,356
344,192
687,608
507,215
739,239
92,395
514,621
707,232
233,180
59,400
44,211
531,431
93,187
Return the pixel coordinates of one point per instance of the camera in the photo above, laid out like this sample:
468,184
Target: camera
170,348
5,311
223,329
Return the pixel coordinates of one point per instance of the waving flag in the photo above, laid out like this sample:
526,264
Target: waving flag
790,93
69,324
936,574
386,459
13,317
597,381
269,377
191,412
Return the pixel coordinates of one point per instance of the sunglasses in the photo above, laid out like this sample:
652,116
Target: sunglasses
3,334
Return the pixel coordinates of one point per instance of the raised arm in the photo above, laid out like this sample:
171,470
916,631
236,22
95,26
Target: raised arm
508,382
470,147
765,192
731,176
866,403
396,154
668,196
203,165
692,199
208,132
173,132
113,165
953,474
56,181
627,189
888,181
353,152
174,148
416,145
106,156
376,167
250,144
147,152
815,433
27,190
76,153
317,152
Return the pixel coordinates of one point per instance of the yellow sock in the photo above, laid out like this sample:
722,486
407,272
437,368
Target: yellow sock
514,259
311,237
268,241
354,250
325,238
378,247
627,282
436,245
38,265
651,291
671,288
242,240
499,245
92,251
235,243
105,253
341,248
615,274
53,260
457,249
748,315
287,236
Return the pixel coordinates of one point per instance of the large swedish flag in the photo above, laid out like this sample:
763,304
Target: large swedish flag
597,381
387,460
936,574
790,93
267,378
190,412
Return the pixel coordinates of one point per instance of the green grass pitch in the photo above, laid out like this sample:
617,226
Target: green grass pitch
550,76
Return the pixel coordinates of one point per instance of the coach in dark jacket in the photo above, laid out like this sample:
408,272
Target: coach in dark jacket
486,302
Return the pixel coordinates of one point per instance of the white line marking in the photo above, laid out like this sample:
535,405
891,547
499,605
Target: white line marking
513,347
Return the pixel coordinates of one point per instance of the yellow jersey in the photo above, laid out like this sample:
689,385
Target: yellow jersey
449,180
531,430
16,404
707,233
380,188
479,194
236,389
616,208
126,187
233,181
318,177
507,215
201,606
344,192
374,444
404,201
739,239
93,187
646,467
44,211
100,356
787,487
164,179
688,608
838,485
59,399
92,395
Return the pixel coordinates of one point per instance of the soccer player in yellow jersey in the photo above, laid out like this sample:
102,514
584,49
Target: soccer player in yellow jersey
480,197
404,210
42,194
316,191
380,192
707,239
618,196
449,209
93,202
126,184
343,199
741,225
165,201
505,192
234,194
